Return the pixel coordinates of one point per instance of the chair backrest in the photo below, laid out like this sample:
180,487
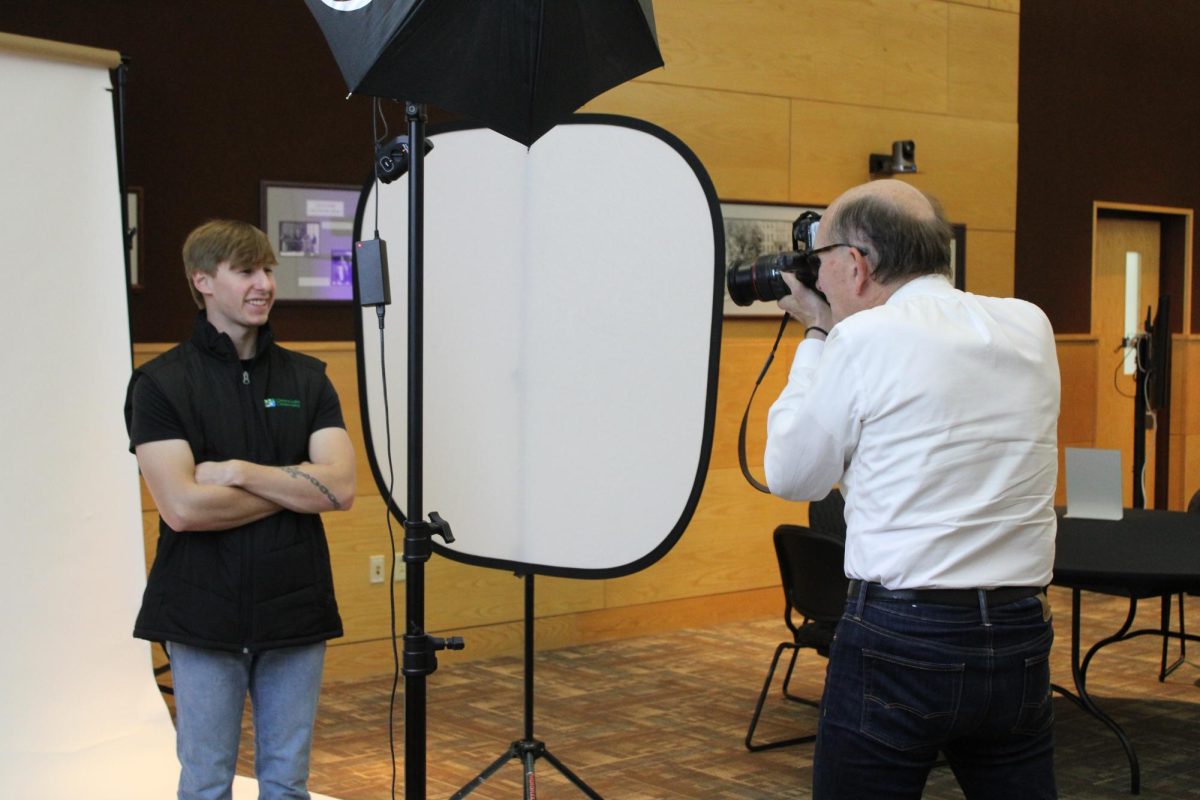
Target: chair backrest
829,514
811,566
1194,503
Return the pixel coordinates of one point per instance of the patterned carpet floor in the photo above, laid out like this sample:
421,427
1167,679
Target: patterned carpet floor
664,716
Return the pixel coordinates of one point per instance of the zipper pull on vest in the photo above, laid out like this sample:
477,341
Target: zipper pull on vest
245,377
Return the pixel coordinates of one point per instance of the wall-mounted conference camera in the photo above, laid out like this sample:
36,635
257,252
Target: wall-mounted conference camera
902,159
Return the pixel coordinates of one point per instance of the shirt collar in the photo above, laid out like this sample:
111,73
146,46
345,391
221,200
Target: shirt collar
922,285
209,339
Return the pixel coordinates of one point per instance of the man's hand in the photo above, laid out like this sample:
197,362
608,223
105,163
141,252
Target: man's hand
188,503
804,305
219,473
326,482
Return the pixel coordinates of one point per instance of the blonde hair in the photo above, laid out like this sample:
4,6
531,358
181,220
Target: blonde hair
221,240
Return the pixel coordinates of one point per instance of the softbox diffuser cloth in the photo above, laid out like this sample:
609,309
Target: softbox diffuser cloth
572,299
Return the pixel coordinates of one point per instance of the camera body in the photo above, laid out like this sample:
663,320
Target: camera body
762,278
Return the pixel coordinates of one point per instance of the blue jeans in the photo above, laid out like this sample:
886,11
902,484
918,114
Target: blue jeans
210,693
907,680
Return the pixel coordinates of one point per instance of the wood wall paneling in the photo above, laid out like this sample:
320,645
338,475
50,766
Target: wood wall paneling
1011,6
1187,357
1077,412
990,267
1077,366
1191,467
969,165
862,52
727,547
983,63
740,138
742,359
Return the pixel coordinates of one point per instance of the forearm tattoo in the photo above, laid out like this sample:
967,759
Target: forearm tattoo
299,473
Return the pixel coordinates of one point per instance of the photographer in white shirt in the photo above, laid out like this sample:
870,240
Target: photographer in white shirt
936,411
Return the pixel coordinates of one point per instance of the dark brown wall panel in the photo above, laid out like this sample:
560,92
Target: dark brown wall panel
1108,111
220,95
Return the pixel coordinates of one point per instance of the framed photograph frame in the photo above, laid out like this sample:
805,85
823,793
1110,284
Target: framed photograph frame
958,256
752,230
133,234
755,229
311,227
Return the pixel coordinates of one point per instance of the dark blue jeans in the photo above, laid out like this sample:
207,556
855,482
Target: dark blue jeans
907,680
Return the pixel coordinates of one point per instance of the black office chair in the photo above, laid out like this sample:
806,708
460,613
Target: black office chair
814,588
829,515
1193,507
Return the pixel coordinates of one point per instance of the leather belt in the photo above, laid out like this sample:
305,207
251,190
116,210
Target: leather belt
945,597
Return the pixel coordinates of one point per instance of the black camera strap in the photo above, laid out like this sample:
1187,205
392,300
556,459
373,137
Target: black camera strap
762,487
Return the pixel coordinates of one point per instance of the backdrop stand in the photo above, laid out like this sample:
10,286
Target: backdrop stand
527,750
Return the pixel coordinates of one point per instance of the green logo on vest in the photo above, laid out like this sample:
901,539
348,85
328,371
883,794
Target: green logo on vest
279,402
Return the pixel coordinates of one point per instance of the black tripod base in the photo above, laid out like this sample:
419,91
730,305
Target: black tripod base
526,751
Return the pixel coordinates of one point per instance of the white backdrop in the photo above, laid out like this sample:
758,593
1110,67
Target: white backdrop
572,320
81,715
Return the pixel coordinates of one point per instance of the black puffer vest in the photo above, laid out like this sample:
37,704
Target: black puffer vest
259,586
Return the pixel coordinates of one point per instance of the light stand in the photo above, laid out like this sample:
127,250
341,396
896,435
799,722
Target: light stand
420,649
527,750
1141,365
1146,362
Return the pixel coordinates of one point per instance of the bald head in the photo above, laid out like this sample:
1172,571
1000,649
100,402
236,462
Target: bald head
903,196
903,230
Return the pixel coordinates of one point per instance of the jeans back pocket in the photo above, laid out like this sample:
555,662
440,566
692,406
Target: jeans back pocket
908,703
1037,709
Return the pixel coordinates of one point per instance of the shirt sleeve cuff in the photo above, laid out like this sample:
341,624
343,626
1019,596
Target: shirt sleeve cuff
808,355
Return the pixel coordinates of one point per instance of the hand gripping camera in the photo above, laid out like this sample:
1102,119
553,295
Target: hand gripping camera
762,278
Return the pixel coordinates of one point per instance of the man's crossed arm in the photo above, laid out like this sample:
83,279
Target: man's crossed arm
217,495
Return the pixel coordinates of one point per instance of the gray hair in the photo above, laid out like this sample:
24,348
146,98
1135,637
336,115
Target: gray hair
900,244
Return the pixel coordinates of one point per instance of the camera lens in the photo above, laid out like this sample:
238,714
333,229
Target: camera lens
757,280
762,278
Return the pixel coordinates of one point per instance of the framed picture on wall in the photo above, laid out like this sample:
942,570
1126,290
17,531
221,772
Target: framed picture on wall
755,229
958,256
752,230
311,227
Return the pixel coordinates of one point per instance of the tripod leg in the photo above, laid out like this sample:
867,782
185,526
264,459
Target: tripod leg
488,772
571,776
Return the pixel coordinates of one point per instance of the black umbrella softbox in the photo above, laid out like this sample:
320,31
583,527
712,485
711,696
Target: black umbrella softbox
516,66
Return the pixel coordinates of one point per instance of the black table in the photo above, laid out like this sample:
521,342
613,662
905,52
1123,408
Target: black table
1146,554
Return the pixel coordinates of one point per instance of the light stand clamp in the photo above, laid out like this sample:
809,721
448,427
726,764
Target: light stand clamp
420,652
420,649
418,537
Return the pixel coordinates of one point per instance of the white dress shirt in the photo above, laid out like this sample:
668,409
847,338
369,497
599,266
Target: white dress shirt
937,412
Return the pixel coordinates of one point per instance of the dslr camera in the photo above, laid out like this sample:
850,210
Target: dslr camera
762,278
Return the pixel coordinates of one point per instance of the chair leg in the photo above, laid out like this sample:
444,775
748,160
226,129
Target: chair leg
787,676
762,697
1165,621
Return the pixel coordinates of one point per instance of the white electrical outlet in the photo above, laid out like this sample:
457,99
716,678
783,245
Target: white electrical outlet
375,575
400,573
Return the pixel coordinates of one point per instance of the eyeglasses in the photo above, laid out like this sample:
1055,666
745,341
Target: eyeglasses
813,257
